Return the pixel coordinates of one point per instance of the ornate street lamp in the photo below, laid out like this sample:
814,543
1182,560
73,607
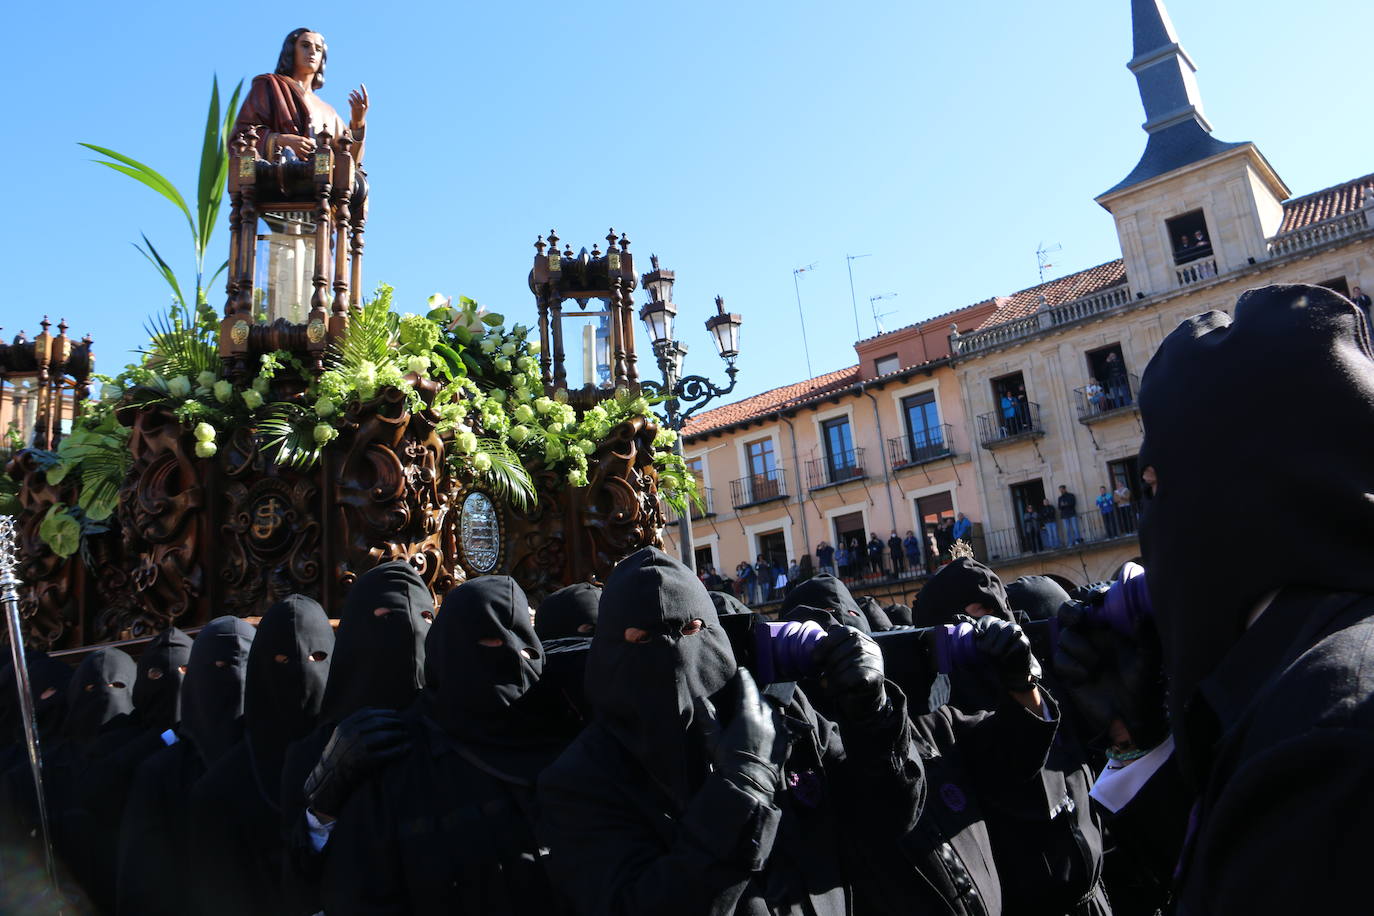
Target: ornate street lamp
693,391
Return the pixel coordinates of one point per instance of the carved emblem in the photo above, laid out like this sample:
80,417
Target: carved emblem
614,259
314,331
268,517
555,262
239,333
246,164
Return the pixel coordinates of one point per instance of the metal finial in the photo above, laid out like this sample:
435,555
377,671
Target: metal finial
720,305
539,245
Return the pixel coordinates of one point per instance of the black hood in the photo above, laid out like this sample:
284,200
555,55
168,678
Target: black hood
45,674
878,620
955,587
1038,597
567,611
288,667
157,688
212,695
645,692
828,593
728,604
1257,429
379,660
899,614
101,689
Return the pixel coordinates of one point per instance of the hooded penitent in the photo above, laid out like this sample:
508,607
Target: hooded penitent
568,612
878,620
101,689
157,687
288,667
899,614
1038,597
379,656
829,594
1265,419
955,587
658,648
48,680
728,604
485,664
212,695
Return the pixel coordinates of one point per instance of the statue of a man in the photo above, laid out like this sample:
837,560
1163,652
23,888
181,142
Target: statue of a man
287,112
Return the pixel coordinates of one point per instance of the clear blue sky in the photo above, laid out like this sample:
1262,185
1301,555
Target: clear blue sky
736,140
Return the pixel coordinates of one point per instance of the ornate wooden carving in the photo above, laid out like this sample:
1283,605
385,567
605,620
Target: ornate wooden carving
54,582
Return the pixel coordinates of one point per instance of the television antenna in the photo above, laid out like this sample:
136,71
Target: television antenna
878,319
1042,257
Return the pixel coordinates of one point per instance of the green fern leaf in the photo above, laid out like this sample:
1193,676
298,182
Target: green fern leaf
507,478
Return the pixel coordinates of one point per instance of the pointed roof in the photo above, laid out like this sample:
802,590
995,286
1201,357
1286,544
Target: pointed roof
1179,133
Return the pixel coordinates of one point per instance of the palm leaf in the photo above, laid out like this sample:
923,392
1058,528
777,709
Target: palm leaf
162,267
507,479
148,175
371,335
211,152
175,349
286,432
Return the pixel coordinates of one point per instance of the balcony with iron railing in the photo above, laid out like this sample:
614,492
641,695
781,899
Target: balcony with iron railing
1013,424
838,468
758,488
705,510
1108,399
920,446
1038,537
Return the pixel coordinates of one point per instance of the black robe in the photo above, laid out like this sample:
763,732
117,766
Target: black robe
235,813
379,661
155,874
636,821
449,828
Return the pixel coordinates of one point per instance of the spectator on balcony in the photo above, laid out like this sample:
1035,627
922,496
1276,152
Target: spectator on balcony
1200,243
1184,249
963,529
744,582
858,558
1049,525
1068,511
875,555
808,570
1030,530
1118,389
1107,506
1008,404
763,579
1097,398
1125,512
944,538
825,557
894,547
933,548
1023,412
794,574
842,560
912,545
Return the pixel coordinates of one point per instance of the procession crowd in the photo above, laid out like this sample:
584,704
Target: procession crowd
1198,738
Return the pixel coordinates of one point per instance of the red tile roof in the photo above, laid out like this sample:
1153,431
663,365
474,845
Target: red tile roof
1063,289
1324,204
770,401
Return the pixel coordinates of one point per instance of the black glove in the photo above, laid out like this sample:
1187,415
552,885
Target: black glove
751,748
1006,646
1110,675
360,744
851,667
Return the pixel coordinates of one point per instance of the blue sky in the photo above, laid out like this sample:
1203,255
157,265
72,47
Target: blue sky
737,141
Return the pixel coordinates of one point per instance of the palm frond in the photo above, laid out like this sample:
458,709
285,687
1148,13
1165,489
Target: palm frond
286,432
371,335
507,479
176,349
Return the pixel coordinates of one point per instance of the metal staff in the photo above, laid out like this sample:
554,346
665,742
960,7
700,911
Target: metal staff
9,596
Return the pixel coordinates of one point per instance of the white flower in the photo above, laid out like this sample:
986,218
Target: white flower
261,384
535,347
503,364
481,461
205,379
324,432
252,399
204,432
324,407
418,365
519,433
206,449
508,348
179,387
224,390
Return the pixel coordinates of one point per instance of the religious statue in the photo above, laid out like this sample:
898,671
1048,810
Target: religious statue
287,112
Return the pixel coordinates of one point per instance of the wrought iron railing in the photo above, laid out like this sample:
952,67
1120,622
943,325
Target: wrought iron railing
920,446
1020,419
1100,398
707,495
758,488
1089,526
836,468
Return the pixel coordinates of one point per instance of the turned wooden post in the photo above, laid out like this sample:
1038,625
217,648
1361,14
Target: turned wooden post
324,173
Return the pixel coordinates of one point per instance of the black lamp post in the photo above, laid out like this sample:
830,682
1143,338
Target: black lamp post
691,392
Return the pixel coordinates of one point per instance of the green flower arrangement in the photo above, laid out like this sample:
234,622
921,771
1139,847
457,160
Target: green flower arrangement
494,414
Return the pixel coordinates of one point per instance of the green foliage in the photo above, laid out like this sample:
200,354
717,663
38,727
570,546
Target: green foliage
60,531
176,348
288,431
371,337
213,172
506,477
101,454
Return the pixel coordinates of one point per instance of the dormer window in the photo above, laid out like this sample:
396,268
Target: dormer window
885,364
1188,237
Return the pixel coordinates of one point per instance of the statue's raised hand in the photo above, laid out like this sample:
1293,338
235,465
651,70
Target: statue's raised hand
357,104
303,147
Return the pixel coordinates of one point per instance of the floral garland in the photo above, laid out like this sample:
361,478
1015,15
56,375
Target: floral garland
495,416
